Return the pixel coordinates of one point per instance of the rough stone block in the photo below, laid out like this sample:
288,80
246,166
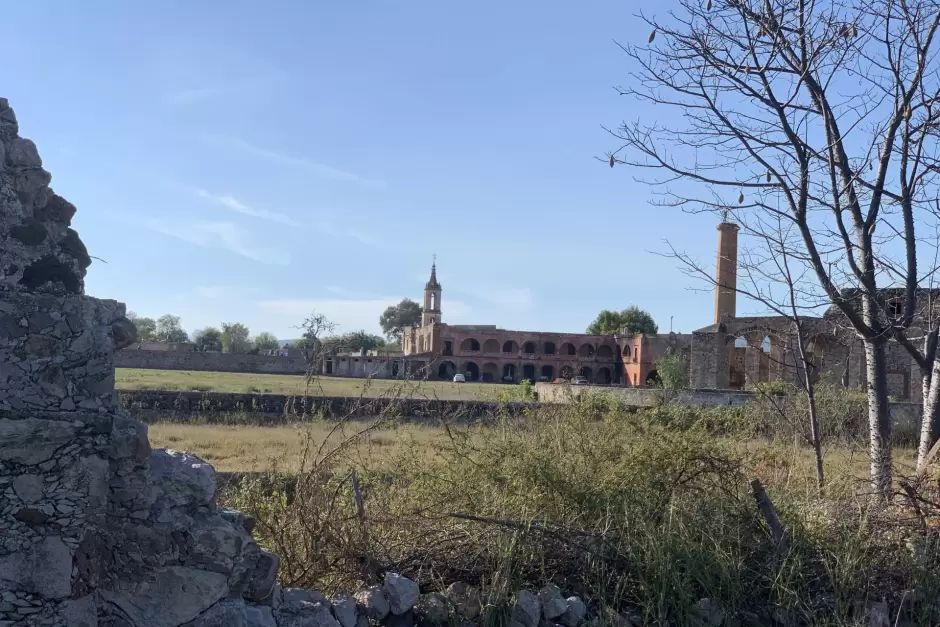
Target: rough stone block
32,441
23,153
344,609
44,569
304,614
552,601
171,597
373,603
129,439
402,593
81,612
528,611
182,478
28,488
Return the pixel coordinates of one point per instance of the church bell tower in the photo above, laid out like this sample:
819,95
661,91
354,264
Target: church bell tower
431,314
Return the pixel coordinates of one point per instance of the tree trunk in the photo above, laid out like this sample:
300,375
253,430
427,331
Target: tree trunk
815,437
931,408
879,422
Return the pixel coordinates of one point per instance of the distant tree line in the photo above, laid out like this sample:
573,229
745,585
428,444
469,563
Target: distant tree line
232,337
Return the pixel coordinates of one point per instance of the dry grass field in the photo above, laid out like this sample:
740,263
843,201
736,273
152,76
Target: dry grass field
186,380
258,449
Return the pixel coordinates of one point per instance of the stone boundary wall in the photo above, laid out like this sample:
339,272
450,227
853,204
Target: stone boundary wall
218,362
153,405
643,397
906,416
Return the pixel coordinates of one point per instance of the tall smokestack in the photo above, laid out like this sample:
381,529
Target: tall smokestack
726,271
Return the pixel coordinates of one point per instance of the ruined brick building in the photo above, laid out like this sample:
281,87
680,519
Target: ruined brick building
438,350
740,352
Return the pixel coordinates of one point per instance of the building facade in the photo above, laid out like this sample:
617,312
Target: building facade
436,350
737,352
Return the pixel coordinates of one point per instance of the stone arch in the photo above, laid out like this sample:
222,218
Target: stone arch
471,370
653,378
528,372
603,376
605,352
491,346
547,373
509,372
567,372
568,349
446,370
510,346
626,350
587,372
586,350
470,345
528,348
490,372
548,348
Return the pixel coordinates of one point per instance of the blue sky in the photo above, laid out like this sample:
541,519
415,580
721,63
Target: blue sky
244,161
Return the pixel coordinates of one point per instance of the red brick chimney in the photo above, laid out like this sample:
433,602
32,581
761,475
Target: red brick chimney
726,271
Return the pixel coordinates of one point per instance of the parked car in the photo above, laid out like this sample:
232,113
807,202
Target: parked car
459,378
558,380
543,379
579,381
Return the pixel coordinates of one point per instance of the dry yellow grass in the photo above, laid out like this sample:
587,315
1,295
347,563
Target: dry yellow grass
245,448
184,380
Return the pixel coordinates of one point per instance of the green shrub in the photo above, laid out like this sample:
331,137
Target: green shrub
646,512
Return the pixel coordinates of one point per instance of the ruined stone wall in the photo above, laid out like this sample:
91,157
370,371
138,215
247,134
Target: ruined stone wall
214,362
709,367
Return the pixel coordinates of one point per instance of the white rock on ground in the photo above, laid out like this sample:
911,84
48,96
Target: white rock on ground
402,593
373,603
344,609
575,612
183,478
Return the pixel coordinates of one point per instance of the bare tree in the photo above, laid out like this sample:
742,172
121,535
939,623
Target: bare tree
821,112
316,327
774,276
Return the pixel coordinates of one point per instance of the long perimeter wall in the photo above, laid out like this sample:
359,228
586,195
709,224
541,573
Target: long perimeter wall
219,362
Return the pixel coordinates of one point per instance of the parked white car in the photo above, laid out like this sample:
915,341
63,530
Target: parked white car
459,378
579,381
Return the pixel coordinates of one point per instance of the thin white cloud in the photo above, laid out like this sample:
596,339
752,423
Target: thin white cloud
222,291
319,169
184,97
361,237
342,291
236,205
225,235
